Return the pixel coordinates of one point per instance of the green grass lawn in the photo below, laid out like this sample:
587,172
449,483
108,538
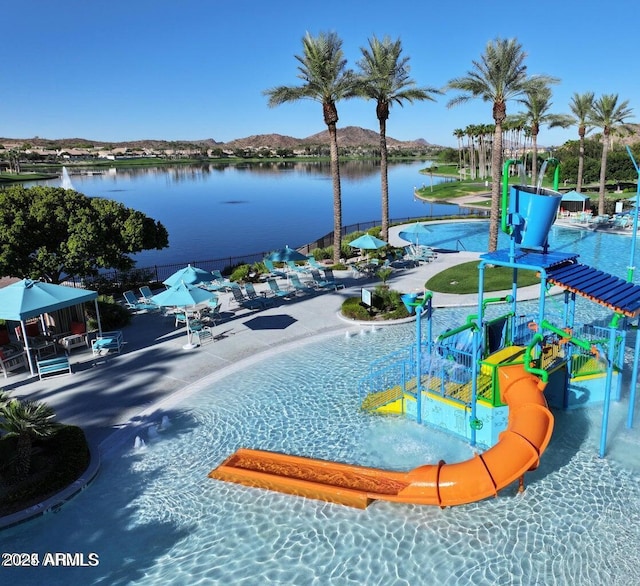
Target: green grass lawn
463,279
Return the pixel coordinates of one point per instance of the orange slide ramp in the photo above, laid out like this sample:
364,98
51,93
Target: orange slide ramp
518,451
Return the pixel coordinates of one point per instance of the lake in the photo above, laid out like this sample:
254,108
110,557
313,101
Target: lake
215,211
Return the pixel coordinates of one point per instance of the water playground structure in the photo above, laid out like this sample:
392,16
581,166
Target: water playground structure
489,380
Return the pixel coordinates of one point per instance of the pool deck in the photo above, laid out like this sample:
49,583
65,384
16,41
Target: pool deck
127,392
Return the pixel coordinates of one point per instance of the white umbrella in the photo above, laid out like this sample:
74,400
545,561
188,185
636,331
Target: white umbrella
183,295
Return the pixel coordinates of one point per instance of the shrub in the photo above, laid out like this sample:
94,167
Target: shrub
112,315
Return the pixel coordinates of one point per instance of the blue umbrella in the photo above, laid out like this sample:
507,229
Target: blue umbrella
285,254
183,295
417,234
190,275
367,242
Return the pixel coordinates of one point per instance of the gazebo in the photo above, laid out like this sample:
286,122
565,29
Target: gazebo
26,299
574,201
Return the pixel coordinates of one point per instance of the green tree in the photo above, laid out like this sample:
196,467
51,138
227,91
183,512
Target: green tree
384,77
53,233
581,106
537,102
325,80
499,76
26,420
607,114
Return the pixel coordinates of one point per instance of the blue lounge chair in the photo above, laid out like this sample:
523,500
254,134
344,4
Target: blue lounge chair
131,302
329,278
297,285
277,292
253,295
146,294
273,271
242,300
297,268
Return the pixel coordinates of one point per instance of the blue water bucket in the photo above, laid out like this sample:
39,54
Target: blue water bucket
409,299
532,211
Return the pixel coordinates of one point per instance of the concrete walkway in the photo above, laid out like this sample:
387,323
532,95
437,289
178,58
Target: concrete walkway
105,394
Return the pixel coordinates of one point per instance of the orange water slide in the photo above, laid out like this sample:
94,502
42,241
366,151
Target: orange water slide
518,451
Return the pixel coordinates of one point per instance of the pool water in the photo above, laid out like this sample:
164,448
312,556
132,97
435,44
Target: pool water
153,516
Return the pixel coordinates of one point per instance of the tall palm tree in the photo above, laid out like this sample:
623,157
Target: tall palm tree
607,114
538,105
459,134
384,77
326,80
500,75
26,420
581,106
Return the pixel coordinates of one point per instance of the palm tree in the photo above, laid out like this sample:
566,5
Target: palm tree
538,103
26,420
607,114
581,106
384,77
326,80
459,134
500,75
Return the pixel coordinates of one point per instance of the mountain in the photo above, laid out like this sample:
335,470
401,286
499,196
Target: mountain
350,136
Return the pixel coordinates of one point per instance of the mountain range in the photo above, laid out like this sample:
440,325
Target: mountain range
350,136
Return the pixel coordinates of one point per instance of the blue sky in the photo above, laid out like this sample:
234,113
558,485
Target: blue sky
196,69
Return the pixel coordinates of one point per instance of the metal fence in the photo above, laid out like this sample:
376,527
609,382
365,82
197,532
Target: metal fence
158,273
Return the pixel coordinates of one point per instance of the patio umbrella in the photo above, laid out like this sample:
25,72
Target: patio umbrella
189,275
417,234
183,295
368,242
285,254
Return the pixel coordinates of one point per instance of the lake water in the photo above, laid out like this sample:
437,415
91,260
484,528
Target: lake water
217,211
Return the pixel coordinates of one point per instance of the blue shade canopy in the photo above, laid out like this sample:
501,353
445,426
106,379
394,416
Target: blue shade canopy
367,242
574,196
417,234
190,275
25,299
285,254
182,295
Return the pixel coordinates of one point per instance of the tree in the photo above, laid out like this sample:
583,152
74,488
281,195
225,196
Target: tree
26,420
384,77
327,81
581,106
537,102
52,233
607,114
500,75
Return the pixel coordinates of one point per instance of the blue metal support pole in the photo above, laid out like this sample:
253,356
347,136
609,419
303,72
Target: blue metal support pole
607,391
634,380
418,365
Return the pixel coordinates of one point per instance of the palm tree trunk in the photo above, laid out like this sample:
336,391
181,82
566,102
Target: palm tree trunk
496,172
337,194
534,158
384,180
603,172
581,133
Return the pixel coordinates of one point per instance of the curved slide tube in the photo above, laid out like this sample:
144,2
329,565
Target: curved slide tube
518,451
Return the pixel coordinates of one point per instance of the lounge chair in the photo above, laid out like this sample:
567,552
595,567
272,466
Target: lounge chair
146,294
329,278
297,268
242,300
253,295
273,271
313,263
297,285
277,292
131,302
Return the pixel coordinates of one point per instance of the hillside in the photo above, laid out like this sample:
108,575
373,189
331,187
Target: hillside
351,136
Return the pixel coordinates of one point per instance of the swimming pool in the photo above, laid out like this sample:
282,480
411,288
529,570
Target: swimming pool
153,516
